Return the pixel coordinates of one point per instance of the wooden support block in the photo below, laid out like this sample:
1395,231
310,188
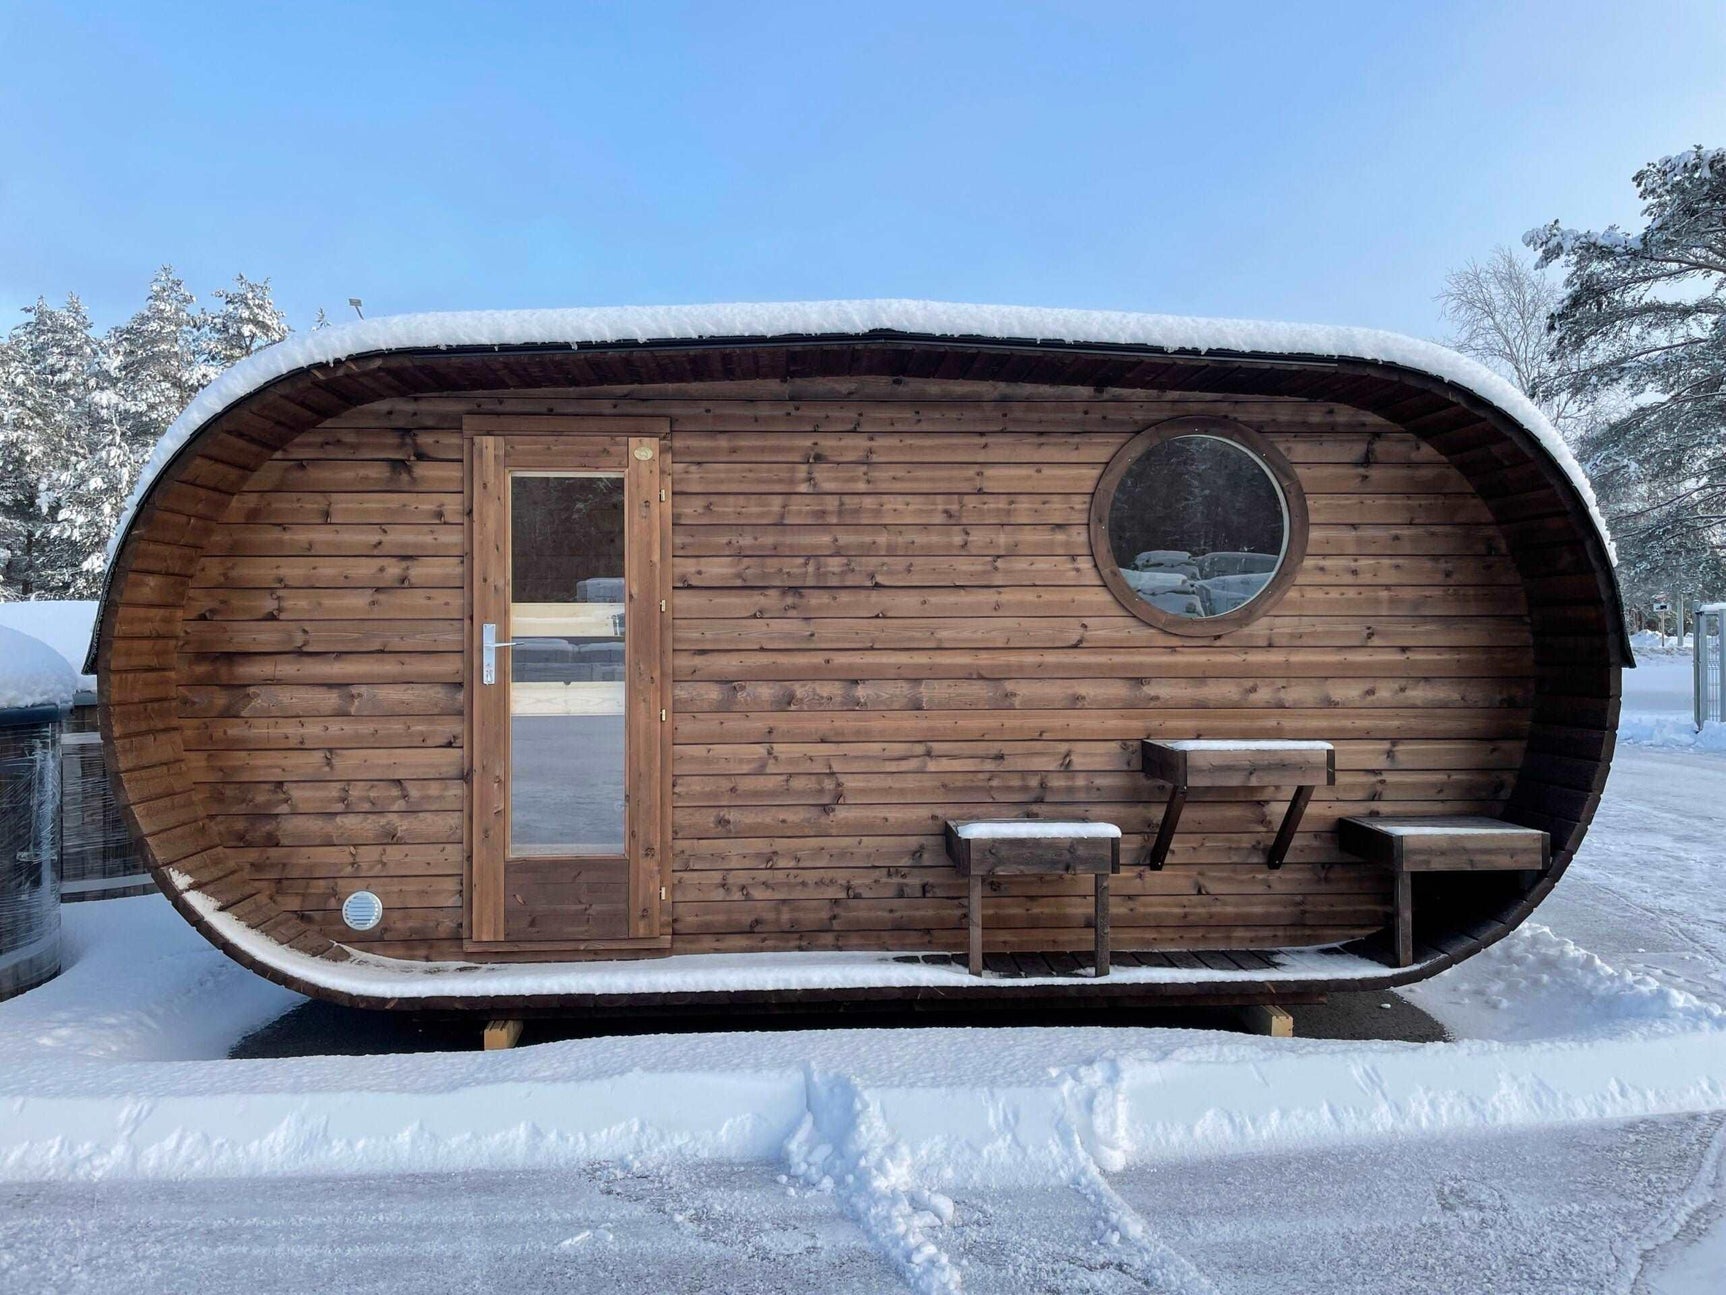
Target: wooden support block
1269,1019
500,1035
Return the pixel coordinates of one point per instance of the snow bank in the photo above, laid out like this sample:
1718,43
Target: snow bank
1533,984
607,325
63,624
32,673
1648,643
96,1081
1674,732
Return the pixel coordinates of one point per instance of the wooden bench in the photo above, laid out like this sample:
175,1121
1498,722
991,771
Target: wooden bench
1408,844
1223,763
982,848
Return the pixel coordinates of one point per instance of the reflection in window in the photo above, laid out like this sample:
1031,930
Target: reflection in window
567,666
1197,526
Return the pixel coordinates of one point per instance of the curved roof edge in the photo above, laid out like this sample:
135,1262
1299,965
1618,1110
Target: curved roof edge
779,321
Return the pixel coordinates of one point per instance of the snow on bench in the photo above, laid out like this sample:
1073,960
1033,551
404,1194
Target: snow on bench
1025,829
1185,763
1431,843
1034,847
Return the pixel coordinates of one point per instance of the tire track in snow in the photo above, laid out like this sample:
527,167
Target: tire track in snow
1095,1115
1696,1202
843,1146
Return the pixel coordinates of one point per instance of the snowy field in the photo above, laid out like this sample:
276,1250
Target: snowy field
1571,1137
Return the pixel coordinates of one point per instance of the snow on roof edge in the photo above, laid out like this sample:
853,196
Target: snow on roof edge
764,320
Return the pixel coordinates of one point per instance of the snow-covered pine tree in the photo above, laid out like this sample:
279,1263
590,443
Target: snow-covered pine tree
246,321
79,415
56,399
154,369
1643,322
157,359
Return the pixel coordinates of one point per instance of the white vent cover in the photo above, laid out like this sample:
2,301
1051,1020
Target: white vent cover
362,910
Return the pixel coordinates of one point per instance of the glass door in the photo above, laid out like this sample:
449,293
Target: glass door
568,721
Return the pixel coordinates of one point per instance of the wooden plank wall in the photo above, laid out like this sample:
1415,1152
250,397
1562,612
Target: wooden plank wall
886,615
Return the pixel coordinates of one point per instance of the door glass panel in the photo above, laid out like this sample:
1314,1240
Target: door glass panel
567,665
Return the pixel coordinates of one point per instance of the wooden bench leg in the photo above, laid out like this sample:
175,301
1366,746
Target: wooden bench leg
1102,924
1166,833
974,920
1404,919
1291,824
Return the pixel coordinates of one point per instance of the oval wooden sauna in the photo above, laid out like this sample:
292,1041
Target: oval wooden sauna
770,598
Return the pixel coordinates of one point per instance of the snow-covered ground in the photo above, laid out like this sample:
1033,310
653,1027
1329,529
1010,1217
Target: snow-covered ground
1572,1137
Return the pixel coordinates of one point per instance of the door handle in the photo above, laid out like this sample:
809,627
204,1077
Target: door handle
488,646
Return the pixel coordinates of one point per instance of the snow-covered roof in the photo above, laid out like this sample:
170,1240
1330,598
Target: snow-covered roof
63,624
601,326
32,673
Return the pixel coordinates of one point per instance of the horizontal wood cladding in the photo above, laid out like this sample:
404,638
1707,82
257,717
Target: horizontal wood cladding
886,615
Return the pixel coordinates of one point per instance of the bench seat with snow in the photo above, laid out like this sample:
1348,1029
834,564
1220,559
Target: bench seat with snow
1239,762
1408,844
1034,848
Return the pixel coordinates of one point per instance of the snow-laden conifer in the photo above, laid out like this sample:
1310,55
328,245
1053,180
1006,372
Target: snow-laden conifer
55,403
246,321
1642,325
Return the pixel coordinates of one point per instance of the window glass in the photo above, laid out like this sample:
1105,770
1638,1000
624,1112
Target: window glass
566,614
1198,527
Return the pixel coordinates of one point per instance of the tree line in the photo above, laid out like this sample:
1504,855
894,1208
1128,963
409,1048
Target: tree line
1626,354
80,411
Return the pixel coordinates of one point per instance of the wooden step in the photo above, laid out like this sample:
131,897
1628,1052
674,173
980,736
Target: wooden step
1239,763
1456,843
1017,846
1408,844
1036,847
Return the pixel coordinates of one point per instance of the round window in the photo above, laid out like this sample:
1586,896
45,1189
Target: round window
1198,525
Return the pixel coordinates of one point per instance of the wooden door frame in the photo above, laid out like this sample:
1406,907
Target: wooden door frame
639,449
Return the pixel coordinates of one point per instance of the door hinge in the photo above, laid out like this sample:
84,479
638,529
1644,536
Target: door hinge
662,715
662,495
662,604
662,894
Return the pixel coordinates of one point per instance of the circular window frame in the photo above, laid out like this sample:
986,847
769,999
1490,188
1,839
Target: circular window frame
1282,474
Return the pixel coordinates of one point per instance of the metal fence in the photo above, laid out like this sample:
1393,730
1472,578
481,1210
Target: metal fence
29,847
98,858
1710,662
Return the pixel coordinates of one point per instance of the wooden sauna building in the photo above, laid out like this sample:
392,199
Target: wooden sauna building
553,660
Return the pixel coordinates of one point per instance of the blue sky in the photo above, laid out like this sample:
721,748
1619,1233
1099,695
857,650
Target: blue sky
1289,161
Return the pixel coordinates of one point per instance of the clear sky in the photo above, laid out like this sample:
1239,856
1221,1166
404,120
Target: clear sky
1297,161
